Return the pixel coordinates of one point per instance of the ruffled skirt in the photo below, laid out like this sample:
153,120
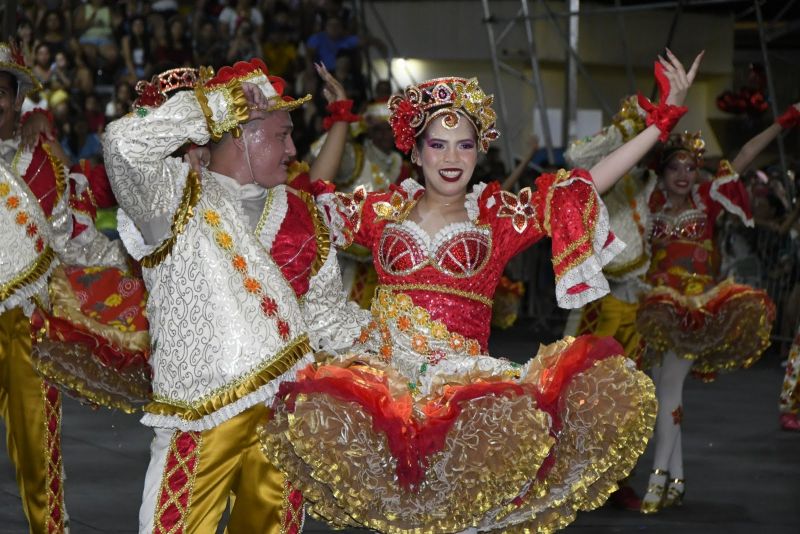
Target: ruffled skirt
93,340
723,329
495,445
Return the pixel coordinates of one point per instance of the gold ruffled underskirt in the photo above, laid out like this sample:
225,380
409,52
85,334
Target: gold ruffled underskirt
73,367
737,321
492,453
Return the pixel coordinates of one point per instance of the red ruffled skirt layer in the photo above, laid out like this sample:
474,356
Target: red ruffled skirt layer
93,341
723,329
489,451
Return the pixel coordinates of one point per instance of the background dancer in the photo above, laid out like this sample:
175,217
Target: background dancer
690,320
44,220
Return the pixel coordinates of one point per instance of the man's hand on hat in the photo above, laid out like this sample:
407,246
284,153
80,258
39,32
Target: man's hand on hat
256,101
332,90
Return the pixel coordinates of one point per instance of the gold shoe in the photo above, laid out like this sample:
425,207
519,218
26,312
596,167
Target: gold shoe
674,495
653,500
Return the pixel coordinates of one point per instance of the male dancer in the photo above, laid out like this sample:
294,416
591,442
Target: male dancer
44,213
226,252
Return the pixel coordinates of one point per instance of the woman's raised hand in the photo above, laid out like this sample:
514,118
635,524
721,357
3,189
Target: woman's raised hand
332,90
679,79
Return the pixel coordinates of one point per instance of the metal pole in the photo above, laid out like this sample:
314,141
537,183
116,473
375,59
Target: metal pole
670,35
388,38
498,84
625,49
578,63
783,10
508,28
639,7
362,27
537,81
773,98
570,117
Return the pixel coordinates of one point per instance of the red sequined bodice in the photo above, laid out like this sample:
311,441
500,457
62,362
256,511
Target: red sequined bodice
453,275
683,253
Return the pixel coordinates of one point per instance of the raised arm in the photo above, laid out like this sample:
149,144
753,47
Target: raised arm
673,80
326,165
147,181
754,146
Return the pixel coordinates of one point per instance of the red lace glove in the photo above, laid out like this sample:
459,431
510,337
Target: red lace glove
664,116
789,119
340,111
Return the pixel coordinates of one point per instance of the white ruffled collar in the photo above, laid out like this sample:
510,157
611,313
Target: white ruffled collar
238,191
411,187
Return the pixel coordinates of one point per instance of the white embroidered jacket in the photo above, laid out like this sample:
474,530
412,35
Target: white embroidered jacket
226,327
28,244
33,243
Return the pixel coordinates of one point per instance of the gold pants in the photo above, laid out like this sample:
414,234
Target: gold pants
193,474
31,409
610,316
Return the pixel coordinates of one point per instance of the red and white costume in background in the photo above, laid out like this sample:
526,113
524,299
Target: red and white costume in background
51,210
46,216
789,402
365,166
720,325
225,266
440,435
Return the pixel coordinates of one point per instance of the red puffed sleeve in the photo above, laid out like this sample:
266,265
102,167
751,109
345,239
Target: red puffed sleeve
566,207
725,192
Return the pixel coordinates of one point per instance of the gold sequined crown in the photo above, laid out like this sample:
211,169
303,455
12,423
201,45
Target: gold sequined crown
450,98
155,92
693,143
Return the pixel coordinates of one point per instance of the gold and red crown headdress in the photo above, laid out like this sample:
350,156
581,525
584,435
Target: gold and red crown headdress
254,71
449,98
155,92
692,143
12,62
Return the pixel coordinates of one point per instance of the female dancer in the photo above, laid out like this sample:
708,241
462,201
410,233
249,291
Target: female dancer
416,428
628,204
689,319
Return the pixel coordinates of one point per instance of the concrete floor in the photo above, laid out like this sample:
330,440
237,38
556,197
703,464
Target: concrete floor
743,473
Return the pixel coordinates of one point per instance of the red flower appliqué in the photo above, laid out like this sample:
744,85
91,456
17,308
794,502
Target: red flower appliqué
518,208
269,306
405,116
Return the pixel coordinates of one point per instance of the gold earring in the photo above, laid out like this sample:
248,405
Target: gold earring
415,155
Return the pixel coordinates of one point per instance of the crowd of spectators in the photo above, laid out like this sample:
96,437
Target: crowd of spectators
89,54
